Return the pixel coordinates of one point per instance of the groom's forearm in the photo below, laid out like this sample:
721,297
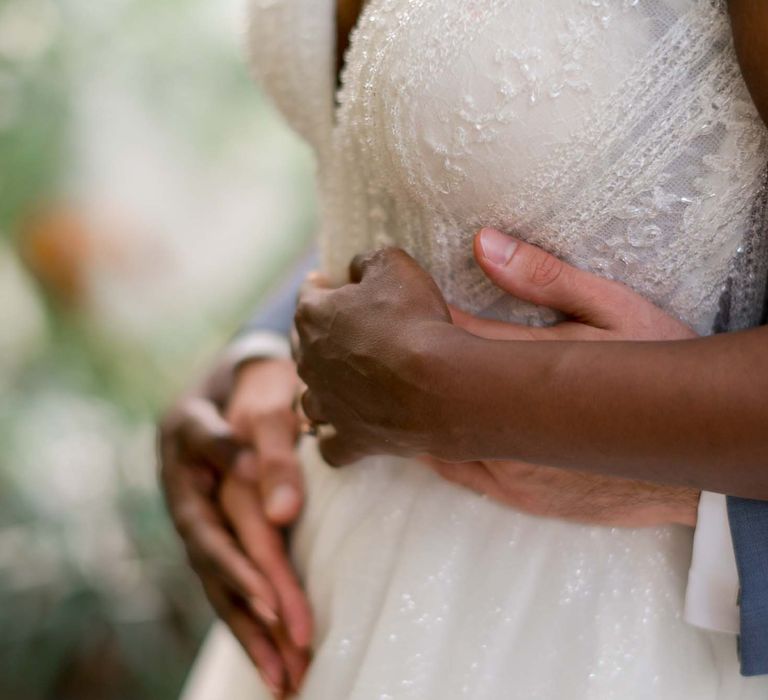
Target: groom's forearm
690,412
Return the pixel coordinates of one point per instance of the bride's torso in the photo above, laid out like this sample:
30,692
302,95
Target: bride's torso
616,133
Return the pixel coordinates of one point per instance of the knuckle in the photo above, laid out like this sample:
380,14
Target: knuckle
269,413
544,269
379,256
620,296
239,418
280,414
170,425
396,255
308,309
277,463
304,369
362,260
185,521
217,438
378,260
311,405
330,455
303,311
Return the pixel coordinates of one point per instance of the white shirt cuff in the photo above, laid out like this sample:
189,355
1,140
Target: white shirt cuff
711,601
256,345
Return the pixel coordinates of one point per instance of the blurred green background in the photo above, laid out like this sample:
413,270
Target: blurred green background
148,197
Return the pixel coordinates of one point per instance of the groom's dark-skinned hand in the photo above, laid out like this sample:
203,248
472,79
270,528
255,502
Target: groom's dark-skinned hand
366,352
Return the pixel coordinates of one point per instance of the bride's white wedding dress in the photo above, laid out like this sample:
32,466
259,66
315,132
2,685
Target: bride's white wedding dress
616,133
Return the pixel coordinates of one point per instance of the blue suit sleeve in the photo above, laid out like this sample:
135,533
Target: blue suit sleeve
276,313
749,531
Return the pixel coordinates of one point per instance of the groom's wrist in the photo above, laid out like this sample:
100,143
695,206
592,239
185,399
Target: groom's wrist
438,363
479,382
510,397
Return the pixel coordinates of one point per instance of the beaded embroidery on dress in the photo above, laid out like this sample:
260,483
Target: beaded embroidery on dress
616,133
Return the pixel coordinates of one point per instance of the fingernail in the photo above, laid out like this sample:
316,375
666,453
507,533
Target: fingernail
264,611
497,247
282,501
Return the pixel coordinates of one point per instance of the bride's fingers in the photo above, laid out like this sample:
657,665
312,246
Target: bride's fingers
531,274
459,317
470,475
273,560
501,330
252,637
296,660
280,480
263,543
218,554
212,549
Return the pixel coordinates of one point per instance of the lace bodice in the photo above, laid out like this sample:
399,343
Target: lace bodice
617,134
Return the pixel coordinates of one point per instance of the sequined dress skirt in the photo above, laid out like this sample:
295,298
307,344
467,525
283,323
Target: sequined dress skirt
424,591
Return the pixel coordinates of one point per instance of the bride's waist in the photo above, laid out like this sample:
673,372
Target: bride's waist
386,489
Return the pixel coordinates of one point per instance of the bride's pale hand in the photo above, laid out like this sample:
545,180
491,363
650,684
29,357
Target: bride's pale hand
598,310
595,308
